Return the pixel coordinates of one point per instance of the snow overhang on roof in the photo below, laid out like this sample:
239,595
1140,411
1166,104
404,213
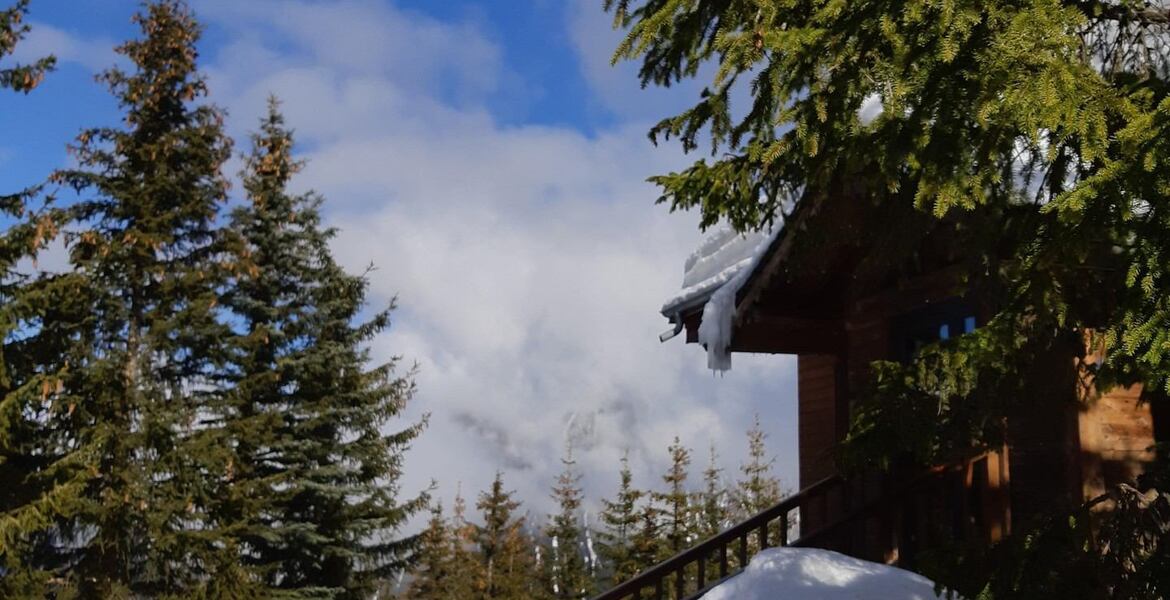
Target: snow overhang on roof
719,258
728,275
713,276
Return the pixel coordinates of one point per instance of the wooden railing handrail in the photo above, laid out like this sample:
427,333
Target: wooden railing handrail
658,574
809,539
722,538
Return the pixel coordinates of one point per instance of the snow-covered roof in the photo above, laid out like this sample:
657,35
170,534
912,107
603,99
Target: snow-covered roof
812,574
712,277
722,254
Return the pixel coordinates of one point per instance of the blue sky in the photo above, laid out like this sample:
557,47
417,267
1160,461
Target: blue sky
490,163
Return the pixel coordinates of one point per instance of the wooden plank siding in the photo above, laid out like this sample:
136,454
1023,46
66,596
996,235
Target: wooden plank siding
817,429
1116,432
817,416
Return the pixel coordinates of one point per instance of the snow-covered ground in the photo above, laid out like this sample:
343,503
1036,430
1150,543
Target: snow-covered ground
811,574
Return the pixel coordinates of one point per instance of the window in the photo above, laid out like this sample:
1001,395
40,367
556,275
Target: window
939,321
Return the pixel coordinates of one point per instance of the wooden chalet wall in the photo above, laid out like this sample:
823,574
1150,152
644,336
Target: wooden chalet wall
1116,433
817,418
826,301
1066,444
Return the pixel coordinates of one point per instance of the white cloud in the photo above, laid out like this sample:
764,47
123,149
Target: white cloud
94,54
616,86
529,261
361,38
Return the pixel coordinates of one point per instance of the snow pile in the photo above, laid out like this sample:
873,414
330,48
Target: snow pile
718,269
811,574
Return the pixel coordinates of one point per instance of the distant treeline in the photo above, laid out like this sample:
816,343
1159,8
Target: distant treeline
499,554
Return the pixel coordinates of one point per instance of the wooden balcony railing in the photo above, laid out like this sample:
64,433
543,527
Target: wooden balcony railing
904,512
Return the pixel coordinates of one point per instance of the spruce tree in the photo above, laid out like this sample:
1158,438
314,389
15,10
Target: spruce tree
33,308
713,508
505,551
569,573
132,492
646,542
619,524
758,489
39,473
431,575
678,530
466,566
712,500
311,482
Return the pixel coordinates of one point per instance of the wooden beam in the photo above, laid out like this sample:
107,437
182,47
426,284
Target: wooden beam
784,335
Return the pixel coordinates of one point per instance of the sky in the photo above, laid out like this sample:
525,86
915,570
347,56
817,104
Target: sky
490,163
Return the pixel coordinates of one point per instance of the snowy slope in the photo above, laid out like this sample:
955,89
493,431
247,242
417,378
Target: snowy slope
811,574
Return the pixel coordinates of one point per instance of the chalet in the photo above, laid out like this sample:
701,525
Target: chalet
840,284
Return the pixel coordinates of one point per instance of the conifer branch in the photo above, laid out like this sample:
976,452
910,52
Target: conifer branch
1126,12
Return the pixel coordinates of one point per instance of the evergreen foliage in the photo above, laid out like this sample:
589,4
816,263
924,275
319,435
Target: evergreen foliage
32,308
144,239
1036,131
20,78
310,477
465,563
569,575
188,411
678,530
433,570
619,524
712,501
713,508
507,567
638,528
647,540
758,489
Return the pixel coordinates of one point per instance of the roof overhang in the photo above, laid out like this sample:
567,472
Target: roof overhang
800,290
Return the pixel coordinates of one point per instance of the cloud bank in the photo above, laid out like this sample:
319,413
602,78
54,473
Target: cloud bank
529,261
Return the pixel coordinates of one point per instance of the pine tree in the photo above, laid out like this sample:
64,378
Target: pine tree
507,570
311,482
758,489
619,520
20,78
131,493
431,575
569,573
